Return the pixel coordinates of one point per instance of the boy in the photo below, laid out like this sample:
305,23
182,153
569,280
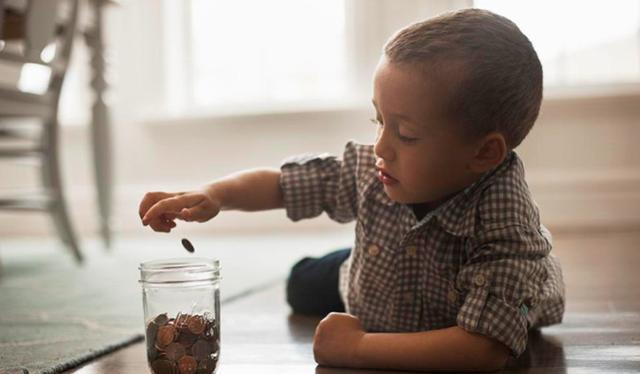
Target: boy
451,265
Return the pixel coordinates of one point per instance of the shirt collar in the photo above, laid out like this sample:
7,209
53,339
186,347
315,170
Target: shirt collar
458,215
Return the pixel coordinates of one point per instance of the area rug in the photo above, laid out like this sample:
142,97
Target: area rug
55,315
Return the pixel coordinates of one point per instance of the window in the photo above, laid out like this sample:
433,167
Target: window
579,42
171,59
230,55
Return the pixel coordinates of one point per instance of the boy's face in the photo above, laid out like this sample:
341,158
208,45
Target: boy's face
419,156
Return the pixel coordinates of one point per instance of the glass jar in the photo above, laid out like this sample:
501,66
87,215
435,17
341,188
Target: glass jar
181,300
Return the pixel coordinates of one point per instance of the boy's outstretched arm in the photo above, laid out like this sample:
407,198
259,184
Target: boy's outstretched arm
250,190
341,341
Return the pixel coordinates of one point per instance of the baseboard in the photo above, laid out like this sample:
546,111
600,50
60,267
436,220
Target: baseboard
568,201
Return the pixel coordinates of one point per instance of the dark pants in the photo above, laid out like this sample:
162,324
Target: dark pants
312,287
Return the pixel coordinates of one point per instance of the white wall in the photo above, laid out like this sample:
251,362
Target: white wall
584,163
582,160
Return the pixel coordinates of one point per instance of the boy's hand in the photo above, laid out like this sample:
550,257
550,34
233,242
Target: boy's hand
160,209
337,339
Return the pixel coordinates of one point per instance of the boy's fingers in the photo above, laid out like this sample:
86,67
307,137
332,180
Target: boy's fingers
169,216
159,222
191,214
185,215
158,226
191,200
162,225
198,213
170,225
171,205
149,200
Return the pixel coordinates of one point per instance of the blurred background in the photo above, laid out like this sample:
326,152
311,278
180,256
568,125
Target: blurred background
168,95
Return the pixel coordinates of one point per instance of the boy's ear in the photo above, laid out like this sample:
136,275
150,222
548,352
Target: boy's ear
491,151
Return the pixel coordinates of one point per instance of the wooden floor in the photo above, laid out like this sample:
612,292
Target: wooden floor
600,332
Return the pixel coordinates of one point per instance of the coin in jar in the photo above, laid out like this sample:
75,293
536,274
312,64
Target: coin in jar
208,365
187,365
175,351
186,338
201,349
163,367
161,319
152,352
152,332
196,324
165,336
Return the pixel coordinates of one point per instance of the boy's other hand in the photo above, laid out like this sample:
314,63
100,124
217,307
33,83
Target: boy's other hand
160,209
337,339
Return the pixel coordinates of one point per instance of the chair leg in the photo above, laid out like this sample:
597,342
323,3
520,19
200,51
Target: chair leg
52,180
64,228
102,167
100,121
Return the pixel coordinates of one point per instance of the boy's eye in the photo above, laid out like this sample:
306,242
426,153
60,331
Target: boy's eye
406,139
403,138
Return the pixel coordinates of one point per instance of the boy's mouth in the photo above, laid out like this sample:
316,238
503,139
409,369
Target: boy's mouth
385,177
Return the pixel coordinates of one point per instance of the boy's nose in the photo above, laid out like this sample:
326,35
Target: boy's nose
382,148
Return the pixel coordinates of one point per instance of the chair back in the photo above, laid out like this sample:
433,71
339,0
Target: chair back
42,34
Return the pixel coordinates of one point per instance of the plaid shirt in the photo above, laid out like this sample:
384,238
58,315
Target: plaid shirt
480,261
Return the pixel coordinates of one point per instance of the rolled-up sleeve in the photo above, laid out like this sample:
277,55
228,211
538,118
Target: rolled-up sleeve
312,184
502,281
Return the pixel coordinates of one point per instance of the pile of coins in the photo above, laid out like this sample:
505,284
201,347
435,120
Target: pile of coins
187,344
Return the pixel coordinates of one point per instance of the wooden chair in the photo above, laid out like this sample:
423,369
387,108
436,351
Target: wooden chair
42,35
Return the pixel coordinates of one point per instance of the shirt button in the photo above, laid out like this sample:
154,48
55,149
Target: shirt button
373,250
412,251
452,296
479,280
407,297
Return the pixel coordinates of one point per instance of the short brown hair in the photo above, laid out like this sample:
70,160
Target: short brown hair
500,88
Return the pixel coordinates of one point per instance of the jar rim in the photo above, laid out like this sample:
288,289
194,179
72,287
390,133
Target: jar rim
180,270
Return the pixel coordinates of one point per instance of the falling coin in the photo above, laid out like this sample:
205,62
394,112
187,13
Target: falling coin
187,245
